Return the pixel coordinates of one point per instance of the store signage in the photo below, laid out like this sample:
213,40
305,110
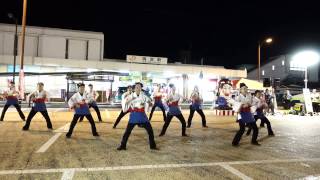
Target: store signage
147,59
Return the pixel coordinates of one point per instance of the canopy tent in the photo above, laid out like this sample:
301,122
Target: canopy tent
252,84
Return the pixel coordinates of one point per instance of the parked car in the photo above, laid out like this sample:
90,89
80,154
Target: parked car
118,96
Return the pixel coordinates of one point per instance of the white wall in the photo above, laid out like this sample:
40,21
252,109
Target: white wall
94,50
8,43
51,43
77,49
52,47
30,46
1,42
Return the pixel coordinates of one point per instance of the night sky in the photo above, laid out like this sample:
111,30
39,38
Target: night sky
221,32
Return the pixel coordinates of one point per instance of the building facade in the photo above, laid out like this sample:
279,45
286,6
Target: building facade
53,43
281,68
53,54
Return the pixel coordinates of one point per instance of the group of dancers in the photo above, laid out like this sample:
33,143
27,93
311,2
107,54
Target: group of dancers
134,101
250,109
137,103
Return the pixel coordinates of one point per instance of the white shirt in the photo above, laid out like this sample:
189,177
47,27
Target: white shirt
11,92
92,95
240,100
157,94
174,97
124,95
37,94
78,99
134,101
256,103
195,95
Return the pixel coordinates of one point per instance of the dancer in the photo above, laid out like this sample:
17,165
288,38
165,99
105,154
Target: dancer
38,98
79,102
137,102
259,106
123,113
11,96
173,101
93,96
196,105
245,117
157,96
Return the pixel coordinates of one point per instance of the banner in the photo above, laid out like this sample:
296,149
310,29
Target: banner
307,100
21,84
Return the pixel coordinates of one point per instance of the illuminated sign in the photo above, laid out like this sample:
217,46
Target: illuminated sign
147,59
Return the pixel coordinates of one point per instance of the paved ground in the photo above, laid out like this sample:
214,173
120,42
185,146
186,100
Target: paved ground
294,153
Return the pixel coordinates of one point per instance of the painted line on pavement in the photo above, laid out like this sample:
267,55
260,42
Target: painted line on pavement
236,172
46,145
68,174
157,166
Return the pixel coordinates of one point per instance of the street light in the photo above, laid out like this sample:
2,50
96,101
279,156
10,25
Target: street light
260,44
15,49
304,60
269,40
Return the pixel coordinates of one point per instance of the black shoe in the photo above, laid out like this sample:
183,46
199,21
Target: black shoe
121,148
185,135
95,134
23,119
188,126
162,134
235,144
154,148
255,143
271,134
25,128
261,125
68,135
1,119
205,126
114,127
248,134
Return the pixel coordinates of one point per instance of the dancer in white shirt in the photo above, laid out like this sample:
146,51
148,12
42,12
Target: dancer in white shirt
11,95
93,96
79,103
137,102
38,98
173,101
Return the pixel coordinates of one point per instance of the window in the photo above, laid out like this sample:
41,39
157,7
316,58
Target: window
87,50
282,62
262,72
66,51
272,67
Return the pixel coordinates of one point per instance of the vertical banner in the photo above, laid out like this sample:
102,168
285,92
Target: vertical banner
307,100
21,84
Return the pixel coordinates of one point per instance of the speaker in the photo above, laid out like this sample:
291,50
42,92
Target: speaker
266,82
276,83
